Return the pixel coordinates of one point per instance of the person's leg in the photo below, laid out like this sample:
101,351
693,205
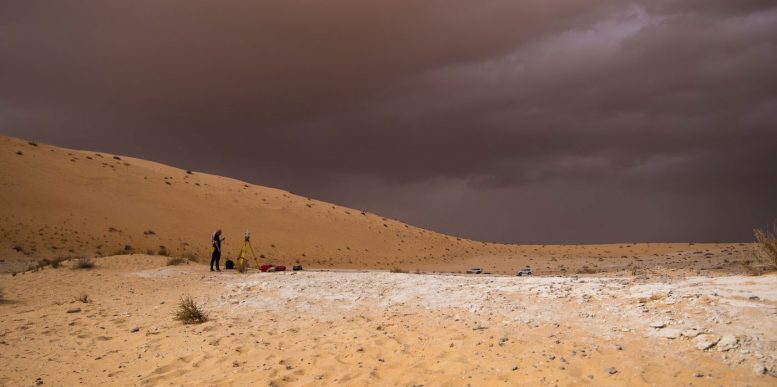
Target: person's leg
213,259
218,259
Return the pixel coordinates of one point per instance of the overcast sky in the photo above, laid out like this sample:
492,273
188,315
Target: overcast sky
516,121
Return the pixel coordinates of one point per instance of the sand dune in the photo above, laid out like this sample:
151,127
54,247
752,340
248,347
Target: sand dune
615,314
57,202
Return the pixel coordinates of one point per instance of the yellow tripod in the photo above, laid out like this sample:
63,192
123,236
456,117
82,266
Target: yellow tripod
241,259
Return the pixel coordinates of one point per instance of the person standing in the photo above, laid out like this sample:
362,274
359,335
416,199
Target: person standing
216,256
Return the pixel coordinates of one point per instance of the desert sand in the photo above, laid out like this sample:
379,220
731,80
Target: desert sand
610,314
382,328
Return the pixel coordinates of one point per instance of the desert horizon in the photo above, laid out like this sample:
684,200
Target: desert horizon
102,250
388,193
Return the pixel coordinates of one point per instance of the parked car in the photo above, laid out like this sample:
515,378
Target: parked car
475,270
525,271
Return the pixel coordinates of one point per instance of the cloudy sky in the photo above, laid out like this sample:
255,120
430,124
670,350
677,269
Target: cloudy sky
515,121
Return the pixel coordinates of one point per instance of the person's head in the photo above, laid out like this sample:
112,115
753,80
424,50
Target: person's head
218,232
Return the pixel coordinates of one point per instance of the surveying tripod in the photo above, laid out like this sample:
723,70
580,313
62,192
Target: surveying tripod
241,259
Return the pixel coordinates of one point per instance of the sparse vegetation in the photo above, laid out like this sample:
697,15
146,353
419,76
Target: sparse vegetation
191,257
163,251
189,312
83,297
398,270
175,261
84,263
586,270
55,263
767,243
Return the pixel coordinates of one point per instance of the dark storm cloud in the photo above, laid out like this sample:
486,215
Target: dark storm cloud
498,120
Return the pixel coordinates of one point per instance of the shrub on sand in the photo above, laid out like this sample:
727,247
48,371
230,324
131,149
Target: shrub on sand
175,261
767,242
191,257
189,312
84,263
56,262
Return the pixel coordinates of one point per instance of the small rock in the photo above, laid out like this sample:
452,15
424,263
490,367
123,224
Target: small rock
754,298
611,371
669,333
691,333
619,347
699,375
704,342
759,369
136,329
515,368
727,342
74,310
658,324
39,381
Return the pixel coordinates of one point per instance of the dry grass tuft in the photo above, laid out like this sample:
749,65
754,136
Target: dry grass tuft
189,312
175,261
767,242
84,263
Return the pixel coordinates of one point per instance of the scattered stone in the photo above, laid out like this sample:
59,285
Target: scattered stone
515,368
611,371
699,374
754,298
619,347
39,381
691,333
669,333
658,324
759,369
727,342
704,342
136,329
74,310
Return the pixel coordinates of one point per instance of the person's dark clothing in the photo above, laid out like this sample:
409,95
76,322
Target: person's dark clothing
216,256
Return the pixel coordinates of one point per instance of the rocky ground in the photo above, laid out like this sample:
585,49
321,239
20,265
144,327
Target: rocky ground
381,328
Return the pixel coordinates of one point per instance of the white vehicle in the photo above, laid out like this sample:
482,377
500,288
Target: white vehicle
475,270
524,271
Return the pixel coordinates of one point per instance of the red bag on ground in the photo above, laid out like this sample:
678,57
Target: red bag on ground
280,268
265,267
